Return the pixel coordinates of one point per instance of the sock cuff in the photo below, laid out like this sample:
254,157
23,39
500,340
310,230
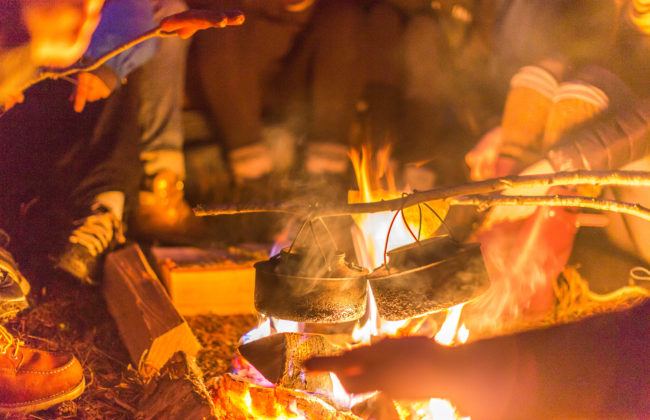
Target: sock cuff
326,157
582,91
534,77
250,162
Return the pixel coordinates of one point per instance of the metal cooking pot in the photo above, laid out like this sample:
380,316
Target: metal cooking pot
309,287
428,276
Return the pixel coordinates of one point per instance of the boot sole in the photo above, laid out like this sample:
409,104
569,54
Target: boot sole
45,403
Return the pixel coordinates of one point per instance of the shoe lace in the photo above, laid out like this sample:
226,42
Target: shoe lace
9,342
7,272
97,231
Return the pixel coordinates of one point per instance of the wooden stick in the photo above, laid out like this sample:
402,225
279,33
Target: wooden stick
483,202
620,178
208,17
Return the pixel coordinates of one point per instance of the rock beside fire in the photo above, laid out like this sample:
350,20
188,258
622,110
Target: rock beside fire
280,359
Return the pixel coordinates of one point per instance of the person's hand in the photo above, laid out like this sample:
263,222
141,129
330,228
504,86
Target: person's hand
60,30
482,159
409,367
90,88
502,213
186,24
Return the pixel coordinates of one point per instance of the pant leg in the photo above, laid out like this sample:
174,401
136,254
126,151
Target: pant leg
160,84
337,72
55,161
234,63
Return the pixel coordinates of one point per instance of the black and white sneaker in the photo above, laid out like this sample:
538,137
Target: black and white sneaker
13,286
94,235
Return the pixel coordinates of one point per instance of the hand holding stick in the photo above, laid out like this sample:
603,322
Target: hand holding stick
184,25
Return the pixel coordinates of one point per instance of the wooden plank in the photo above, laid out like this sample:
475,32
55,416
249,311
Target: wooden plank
220,281
149,325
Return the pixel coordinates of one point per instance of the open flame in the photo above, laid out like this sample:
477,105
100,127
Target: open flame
376,182
378,233
572,300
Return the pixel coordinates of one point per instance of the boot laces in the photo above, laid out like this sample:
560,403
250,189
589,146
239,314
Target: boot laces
8,273
8,341
97,231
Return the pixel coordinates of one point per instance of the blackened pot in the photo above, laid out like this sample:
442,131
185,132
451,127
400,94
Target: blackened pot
339,297
428,276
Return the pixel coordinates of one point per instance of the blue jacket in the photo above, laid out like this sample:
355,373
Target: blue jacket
121,21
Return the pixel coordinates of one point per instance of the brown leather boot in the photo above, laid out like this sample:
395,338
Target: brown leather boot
32,380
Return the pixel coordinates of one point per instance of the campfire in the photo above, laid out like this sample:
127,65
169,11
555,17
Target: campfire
406,279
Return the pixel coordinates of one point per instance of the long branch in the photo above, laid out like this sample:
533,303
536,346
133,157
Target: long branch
620,178
485,201
209,18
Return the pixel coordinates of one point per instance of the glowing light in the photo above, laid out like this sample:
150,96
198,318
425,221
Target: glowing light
376,182
447,332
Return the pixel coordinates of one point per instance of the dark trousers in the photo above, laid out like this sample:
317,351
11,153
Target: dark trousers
307,62
53,161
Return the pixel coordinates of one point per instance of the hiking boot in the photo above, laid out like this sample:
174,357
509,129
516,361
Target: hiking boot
33,380
13,286
95,234
163,213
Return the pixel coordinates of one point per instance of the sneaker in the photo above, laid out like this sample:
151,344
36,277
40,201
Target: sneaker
33,380
163,213
13,286
95,234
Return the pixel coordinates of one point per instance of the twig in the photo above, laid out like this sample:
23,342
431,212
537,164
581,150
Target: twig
208,17
483,202
620,178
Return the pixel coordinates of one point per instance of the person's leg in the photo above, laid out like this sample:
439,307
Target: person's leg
109,172
337,83
235,66
160,84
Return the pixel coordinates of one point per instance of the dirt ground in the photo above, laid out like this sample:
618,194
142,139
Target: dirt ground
67,316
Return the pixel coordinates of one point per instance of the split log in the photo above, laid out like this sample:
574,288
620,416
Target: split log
280,359
237,399
177,393
149,325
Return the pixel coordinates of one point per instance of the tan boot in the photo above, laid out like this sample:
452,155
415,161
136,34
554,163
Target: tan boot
32,380
163,212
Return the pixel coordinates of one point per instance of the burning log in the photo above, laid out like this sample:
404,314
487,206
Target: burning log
620,178
149,325
238,399
177,392
280,358
377,407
